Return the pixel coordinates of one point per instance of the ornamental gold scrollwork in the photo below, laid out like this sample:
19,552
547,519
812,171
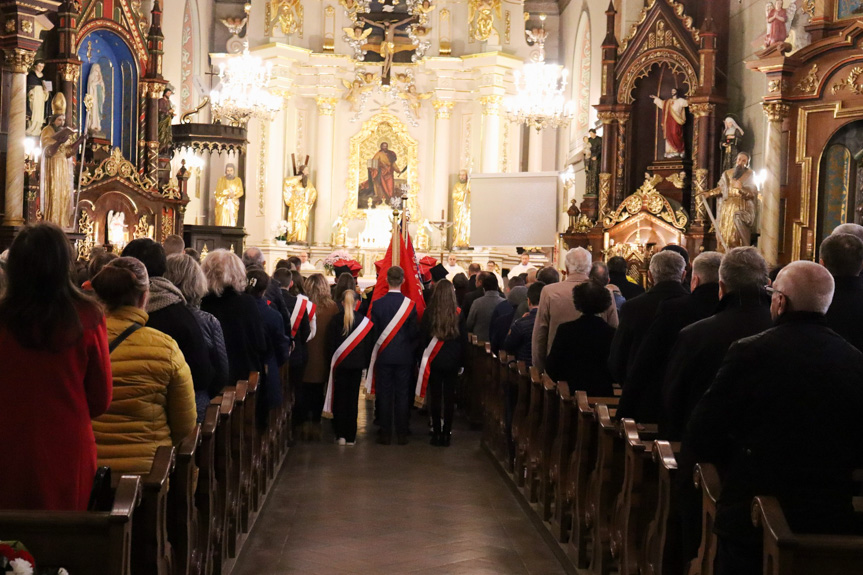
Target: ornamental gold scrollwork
84,246
604,193
647,198
443,109
809,83
326,105
606,117
776,111
774,86
167,223
116,166
850,82
678,180
481,18
699,181
660,37
675,61
18,60
69,72
142,229
702,110
679,11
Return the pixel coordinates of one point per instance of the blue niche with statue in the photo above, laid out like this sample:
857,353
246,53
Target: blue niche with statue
109,76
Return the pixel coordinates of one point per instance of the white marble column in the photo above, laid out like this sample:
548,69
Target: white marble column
491,107
324,174
19,62
440,200
534,150
768,242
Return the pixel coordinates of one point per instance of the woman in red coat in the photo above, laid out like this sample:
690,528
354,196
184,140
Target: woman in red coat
55,375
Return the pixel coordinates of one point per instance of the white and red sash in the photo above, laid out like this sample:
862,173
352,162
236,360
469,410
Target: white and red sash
343,351
297,316
429,354
309,309
385,338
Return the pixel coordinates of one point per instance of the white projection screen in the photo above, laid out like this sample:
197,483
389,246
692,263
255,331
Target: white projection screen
513,209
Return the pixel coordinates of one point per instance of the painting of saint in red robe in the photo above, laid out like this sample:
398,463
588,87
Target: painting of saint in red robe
380,185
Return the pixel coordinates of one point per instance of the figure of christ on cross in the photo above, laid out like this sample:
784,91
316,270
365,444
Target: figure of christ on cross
388,47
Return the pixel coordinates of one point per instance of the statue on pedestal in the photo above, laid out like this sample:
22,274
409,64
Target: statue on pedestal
229,190
731,132
737,211
166,118
299,195
461,211
57,168
573,213
96,91
673,119
592,159
38,91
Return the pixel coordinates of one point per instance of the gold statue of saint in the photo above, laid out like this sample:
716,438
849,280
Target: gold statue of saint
736,220
229,190
461,211
299,196
57,171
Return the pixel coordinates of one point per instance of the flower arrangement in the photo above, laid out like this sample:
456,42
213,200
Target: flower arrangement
333,258
281,231
15,559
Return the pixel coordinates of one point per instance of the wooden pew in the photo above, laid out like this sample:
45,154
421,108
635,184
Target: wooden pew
653,561
475,384
238,467
498,397
151,551
560,458
225,487
707,479
636,500
487,380
253,440
182,513
581,465
534,426
85,542
521,423
606,477
547,435
511,390
205,494
789,553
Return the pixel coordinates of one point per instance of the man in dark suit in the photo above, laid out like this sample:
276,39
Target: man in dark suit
763,424
842,255
667,269
642,392
475,285
394,361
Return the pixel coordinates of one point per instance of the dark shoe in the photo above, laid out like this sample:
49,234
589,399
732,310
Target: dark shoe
402,439
384,439
447,437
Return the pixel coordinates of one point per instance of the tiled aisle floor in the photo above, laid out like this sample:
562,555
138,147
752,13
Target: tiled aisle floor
393,509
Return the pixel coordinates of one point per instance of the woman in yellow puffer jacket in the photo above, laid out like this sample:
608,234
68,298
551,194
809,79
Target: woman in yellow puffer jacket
154,398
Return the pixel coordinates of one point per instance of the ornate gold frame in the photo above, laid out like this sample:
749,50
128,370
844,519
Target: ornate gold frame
641,67
382,127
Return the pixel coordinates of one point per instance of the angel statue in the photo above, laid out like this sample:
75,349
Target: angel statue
424,9
414,99
353,92
779,21
357,33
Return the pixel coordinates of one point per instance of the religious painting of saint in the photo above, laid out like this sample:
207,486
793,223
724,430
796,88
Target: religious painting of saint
846,9
382,169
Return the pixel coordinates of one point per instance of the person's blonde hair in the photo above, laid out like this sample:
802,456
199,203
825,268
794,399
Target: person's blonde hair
224,270
318,290
184,272
348,303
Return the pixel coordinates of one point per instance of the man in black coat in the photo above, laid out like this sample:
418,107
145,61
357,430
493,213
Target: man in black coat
642,392
782,418
476,292
169,314
842,255
667,270
254,257
394,363
617,276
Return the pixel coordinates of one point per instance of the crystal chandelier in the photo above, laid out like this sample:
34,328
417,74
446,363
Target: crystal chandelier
540,101
244,94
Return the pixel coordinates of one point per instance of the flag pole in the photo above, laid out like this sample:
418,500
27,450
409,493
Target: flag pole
395,246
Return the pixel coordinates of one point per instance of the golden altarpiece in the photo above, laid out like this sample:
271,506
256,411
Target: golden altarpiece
646,196
105,58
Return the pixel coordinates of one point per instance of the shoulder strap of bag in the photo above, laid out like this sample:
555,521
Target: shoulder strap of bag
122,337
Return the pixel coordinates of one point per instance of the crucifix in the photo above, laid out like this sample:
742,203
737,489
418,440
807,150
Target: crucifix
388,45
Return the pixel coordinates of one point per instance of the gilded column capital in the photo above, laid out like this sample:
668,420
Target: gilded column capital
443,109
606,117
491,105
69,72
326,105
19,60
621,117
152,89
702,110
776,111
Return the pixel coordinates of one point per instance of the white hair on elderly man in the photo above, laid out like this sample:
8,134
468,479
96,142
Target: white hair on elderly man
807,286
667,266
578,261
743,269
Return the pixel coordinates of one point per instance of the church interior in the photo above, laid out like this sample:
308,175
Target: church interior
478,131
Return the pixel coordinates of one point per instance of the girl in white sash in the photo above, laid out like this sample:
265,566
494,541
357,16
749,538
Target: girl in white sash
349,347
444,343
